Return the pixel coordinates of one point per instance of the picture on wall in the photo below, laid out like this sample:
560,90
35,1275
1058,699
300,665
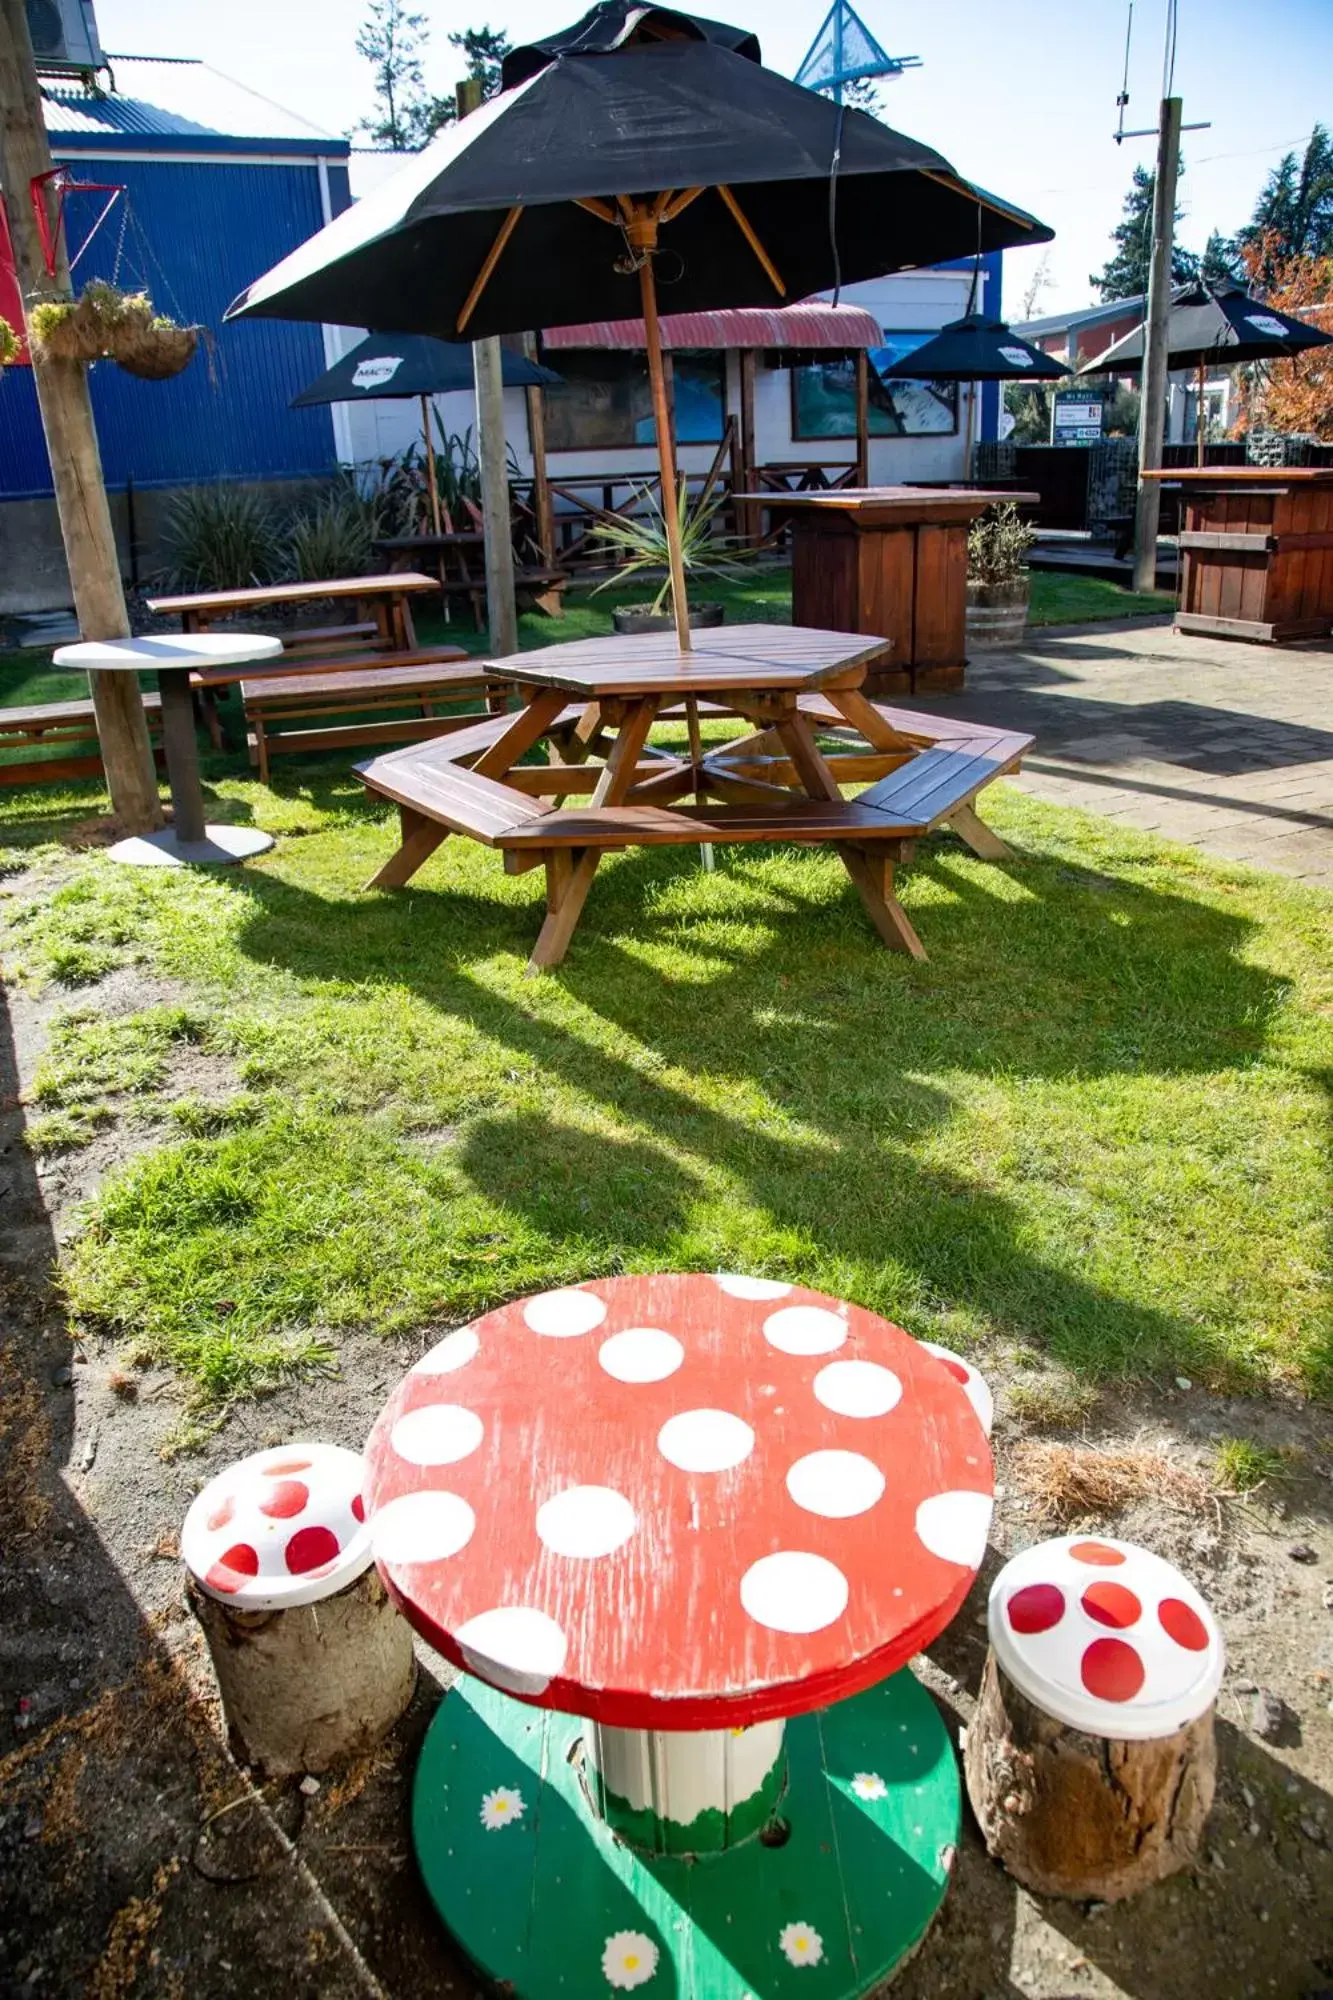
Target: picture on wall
823,396
604,402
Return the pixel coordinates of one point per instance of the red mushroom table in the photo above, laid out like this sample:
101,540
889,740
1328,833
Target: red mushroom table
681,1533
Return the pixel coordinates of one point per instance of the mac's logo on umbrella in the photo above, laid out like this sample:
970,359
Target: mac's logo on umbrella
375,373
1265,323
1016,357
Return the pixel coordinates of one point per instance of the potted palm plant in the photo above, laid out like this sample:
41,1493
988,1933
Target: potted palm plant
997,577
640,541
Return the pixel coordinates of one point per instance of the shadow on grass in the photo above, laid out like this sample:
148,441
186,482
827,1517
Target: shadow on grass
855,1058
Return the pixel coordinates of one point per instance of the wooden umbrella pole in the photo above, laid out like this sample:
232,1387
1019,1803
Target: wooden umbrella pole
431,480
662,419
1198,417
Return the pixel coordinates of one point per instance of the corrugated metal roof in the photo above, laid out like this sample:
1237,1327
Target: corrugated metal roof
166,98
814,323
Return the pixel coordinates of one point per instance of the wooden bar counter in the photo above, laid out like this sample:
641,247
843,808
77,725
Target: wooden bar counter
889,559
1256,551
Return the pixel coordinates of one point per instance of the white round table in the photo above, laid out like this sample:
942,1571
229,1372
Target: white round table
173,658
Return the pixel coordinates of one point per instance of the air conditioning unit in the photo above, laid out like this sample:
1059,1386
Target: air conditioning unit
64,36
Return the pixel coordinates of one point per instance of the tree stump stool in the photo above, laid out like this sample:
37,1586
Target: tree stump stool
313,1662
1091,1761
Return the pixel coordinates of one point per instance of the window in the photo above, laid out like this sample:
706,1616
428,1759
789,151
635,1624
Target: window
604,401
823,396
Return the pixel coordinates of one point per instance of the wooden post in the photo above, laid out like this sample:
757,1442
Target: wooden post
501,610
541,485
666,450
432,481
749,469
862,418
1198,418
71,442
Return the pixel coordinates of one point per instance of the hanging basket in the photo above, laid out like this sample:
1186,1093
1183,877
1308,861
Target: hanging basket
157,351
10,345
64,330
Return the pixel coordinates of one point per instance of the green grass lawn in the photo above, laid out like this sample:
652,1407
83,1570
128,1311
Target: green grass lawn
1094,1126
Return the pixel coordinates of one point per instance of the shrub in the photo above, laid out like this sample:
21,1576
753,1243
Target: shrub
221,538
10,344
997,542
333,537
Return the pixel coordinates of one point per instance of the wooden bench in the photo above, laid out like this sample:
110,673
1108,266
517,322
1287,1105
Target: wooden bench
279,709
60,724
212,683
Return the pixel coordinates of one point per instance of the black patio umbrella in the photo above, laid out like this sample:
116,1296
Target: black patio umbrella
552,204
403,365
972,349
1214,326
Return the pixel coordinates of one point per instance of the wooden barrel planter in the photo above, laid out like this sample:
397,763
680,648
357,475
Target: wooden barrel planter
634,618
997,614
1091,1760
313,1661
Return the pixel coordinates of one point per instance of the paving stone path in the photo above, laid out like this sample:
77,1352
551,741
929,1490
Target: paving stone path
1227,746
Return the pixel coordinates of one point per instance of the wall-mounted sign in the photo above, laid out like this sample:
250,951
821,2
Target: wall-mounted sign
1076,418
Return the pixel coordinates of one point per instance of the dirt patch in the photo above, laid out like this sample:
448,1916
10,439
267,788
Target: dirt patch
138,1860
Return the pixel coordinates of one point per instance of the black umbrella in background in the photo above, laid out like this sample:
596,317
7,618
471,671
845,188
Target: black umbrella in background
402,365
972,349
1214,327
665,158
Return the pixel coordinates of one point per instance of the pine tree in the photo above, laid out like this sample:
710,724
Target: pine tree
1219,263
1125,274
1294,212
391,40
484,50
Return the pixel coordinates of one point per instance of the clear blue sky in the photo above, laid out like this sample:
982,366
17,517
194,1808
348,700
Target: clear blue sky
1018,97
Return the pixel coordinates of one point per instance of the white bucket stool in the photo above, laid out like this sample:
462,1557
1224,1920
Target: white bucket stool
313,1662
1091,1761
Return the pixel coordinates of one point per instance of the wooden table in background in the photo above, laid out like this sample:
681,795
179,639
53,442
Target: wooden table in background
385,599
1256,551
890,559
683,1584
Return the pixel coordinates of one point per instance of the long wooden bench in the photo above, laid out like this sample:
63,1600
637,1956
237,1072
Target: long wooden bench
211,683
58,725
280,709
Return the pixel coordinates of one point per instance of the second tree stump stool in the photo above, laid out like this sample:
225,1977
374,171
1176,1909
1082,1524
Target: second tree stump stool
313,1661
1091,1761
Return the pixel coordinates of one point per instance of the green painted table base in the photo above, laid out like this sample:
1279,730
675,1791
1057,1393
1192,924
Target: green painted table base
541,1894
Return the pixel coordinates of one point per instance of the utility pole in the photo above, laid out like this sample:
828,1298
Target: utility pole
493,457
71,440
1152,411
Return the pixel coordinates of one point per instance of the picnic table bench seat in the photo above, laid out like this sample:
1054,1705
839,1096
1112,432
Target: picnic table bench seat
59,725
288,712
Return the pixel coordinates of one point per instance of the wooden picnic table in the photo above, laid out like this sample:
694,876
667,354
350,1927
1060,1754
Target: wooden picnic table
385,600
1256,550
683,1584
889,559
593,704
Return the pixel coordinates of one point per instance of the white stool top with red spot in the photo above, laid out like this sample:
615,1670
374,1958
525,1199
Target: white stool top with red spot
679,1502
975,1384
1106,1637
279,1528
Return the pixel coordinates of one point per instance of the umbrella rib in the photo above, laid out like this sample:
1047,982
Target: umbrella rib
983,201
601,209
676,204
743,223
502,236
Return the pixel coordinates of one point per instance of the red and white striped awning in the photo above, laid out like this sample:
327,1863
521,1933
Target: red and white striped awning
814,323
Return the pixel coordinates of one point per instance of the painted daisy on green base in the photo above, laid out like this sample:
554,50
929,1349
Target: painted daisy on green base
629,1959
801,1944
502,1807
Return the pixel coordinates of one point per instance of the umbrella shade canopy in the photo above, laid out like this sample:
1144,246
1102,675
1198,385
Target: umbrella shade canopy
1209,328
411,364
611,25
973,349
483,233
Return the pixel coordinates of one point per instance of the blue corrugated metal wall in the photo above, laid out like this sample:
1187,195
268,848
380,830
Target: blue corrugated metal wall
198,233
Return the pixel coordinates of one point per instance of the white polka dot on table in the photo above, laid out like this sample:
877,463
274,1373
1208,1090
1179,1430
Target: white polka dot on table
453,1352
641,1354
421,1528
954,1526
858,1389
705,1440
564,1314
586,1521
437,1434
794,1591
515,1647
805,1330
836,1484
739,1287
